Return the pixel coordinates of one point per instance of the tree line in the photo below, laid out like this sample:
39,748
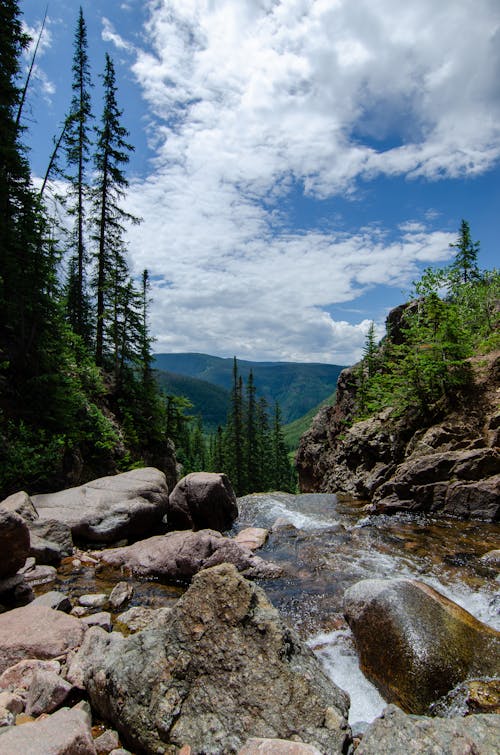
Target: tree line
453,313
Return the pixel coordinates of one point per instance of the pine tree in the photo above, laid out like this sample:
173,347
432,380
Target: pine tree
111,156
251,434
464,267
77,141
263,443
281,469
234,439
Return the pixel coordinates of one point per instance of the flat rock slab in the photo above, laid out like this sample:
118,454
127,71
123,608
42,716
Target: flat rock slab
66,732
37,632
395,733
222,669
180,555
110,508
252,537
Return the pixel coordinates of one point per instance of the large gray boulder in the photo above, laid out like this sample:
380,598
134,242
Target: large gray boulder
37,632
414,644
180,555
223,668
202,500
14,543
395,733
127,505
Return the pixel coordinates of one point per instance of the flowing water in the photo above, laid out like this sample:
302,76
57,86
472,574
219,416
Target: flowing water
324,546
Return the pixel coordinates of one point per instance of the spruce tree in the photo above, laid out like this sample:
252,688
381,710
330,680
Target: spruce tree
77,142
464,267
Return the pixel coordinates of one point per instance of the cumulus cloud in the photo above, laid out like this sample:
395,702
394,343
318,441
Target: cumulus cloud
254,98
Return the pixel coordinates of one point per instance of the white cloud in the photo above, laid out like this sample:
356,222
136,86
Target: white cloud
253,97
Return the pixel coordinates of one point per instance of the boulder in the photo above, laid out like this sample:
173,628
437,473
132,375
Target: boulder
14,543
37,632
261,746
20,676
66,732
44,551
395,733
180,555
120,594
47,692
21,504
414,644
105,510
138,618
472,696
101,619
202,500
222,668
54,599
252,537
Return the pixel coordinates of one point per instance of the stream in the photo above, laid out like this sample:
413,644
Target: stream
324,545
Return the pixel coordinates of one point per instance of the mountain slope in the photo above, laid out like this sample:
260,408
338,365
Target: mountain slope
209,401
296,386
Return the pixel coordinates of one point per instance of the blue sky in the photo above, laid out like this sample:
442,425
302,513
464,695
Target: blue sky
297,162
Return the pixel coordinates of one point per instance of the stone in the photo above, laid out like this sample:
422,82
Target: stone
474,500
55,600
21,504
11,701
107,742
202,500
222,669
95,600
7,718
41,575
37,632
138,618
47,692
180,555
126,505
472,696
15,591
101,619
44,551
65,732
492,558
395,733
258,746
14,543
120,594
57,533
252,537
415,644
20,676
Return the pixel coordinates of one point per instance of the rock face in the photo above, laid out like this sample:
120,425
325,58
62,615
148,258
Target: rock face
414,644
222,668
180,555
37,632
395,733
202,500
14,543
451,467
105,510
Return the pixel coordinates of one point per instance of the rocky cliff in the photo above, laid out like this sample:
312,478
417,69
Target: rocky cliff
447,463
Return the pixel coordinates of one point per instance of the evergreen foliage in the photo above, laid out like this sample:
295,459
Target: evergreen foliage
453,313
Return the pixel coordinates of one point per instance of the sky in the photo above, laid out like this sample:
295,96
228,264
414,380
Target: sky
297,163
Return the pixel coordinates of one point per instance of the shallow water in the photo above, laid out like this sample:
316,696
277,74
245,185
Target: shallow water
325,545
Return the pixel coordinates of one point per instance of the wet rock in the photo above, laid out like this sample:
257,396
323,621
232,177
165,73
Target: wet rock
477,500
63,733
202,500
472,696
40,575
277,747
44,551
11,702
414,644
222,669
14,543
95,600
395,733
37,632
21,504
492,558
101,619
55,600
47,692
125,505
120,594
138,618
180,555
252,537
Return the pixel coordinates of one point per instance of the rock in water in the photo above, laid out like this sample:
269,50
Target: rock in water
105,510
414,644
202,500
395,733
223,668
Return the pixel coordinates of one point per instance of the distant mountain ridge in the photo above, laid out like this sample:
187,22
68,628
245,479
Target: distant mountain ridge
296,386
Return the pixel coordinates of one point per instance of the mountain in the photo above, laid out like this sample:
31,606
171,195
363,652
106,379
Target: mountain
296,429
208,400
296,386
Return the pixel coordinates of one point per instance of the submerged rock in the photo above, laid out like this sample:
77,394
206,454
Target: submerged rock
202,500
105,510
395,733
180,555
223,668
414,644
